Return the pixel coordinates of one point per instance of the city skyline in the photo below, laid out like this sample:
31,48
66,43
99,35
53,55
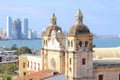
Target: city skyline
102,17
17,29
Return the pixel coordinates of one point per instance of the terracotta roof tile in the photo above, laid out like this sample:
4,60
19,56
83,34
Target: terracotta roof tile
38,75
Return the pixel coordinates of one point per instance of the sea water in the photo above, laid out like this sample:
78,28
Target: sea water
107,42
36,44
33,44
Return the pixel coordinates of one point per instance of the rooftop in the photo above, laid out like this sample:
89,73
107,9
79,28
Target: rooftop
106,53
41,75
106,63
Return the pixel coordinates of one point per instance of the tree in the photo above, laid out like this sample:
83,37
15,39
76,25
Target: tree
23,50
14,47
94,46
7,77
8,68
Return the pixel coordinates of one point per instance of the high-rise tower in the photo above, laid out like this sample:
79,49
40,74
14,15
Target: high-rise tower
9,28
25,28
14,30
19,29
17,32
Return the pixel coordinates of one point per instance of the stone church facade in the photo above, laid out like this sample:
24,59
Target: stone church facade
72,54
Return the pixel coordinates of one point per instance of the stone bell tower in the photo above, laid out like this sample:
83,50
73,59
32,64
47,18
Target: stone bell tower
78,56
52,53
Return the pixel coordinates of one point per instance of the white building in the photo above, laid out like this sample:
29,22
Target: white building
9,28
29,34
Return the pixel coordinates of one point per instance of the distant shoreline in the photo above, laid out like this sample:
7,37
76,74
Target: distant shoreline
18,39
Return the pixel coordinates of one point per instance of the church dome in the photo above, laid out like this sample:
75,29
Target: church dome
50,28
78,27
53,26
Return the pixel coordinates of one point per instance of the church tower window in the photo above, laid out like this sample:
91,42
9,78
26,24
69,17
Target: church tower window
53,63
70,69
86,43
71,43
68,43
83,61
28,64
70,61
80,44
44,42
86,46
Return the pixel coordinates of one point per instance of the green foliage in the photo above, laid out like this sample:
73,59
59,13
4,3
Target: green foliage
23,50
14,47
7,77
8,68
94,46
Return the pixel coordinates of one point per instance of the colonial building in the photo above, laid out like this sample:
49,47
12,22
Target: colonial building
73,54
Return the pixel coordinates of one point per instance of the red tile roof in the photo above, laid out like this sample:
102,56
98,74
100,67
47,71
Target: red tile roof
38,75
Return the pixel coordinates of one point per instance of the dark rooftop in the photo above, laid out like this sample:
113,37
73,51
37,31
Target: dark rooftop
106,64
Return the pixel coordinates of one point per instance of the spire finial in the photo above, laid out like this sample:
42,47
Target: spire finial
53,16
53,19
79,13
79,16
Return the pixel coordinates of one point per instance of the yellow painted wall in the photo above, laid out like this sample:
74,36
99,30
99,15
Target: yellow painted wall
22,59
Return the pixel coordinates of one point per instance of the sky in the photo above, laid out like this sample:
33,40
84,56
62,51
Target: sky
101,16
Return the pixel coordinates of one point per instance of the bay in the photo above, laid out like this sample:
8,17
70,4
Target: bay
36,44
33,44
106,42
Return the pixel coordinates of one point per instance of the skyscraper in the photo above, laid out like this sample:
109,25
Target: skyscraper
9,28
25,28
17,33
19,29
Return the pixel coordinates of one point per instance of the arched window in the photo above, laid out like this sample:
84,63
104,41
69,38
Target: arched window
86,43
80,43
53,63
68,43
71,43
70,61
70,69
28,64
43,42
